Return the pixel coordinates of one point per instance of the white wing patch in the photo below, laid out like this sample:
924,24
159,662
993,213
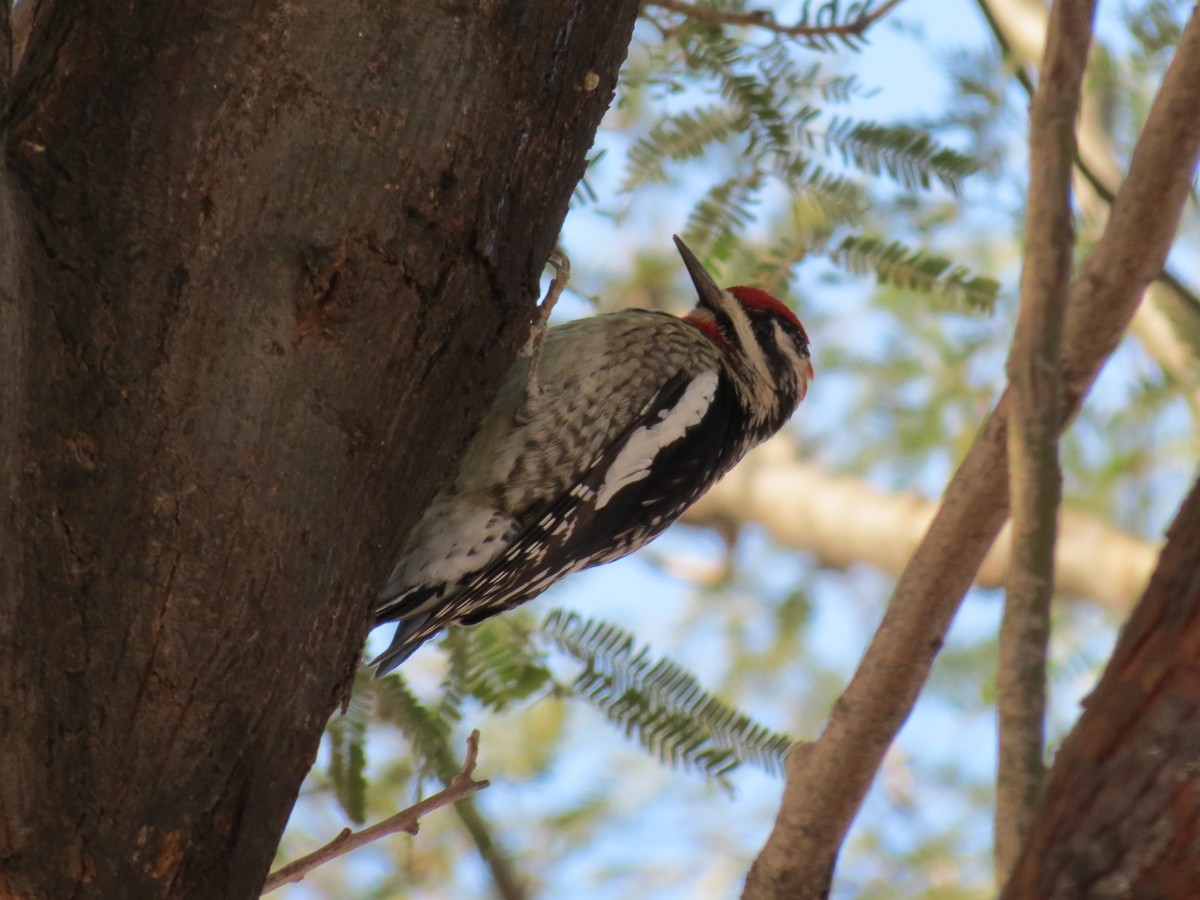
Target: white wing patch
637,456
455,541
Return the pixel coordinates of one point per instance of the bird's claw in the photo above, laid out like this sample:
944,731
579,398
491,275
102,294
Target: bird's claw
561,263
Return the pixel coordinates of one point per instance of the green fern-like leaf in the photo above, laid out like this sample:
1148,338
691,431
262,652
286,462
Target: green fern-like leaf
899,265
454,684
828,16
495,662
685,135
348,757
773,268
1155,27
842,89
841,200
659,703
746,91
723,213
905,153
584,194
427,732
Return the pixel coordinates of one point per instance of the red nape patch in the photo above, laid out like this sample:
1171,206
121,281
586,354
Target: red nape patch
710,328
756,298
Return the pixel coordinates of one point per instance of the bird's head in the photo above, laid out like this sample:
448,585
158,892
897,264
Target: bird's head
762,338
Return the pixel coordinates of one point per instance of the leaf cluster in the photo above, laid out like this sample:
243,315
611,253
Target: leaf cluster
660,703
761,120
500,663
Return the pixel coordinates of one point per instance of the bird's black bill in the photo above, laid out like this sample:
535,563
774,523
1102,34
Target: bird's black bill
706,288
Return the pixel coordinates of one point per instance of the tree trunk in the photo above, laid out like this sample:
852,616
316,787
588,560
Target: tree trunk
1121,813
261,267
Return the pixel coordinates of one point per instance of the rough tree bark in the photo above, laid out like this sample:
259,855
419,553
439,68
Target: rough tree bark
261,267
1121,812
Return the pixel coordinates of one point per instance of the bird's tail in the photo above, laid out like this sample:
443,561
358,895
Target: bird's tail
410,634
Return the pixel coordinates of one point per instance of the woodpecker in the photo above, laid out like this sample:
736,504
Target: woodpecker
636,414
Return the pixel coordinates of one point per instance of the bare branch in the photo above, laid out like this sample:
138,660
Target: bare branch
439,755
408,820
825,789
1035,379
761,18
845,520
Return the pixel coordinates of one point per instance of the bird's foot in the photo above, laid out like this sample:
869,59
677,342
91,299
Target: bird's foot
561,264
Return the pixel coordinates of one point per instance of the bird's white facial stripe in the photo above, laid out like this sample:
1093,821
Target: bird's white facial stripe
637,456
747,341
803,367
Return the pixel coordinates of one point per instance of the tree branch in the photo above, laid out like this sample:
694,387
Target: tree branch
817,35
845,520
1035,379
408,820
1167,323
1120,813
826,784
398,705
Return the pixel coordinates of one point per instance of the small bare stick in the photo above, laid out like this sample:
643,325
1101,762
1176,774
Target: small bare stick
537,330
460,787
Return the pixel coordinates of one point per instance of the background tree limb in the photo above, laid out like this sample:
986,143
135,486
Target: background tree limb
845,520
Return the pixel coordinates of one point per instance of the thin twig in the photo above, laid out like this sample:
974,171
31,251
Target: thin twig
460,787
765,19
1168,319
1035,475
826,787
439,756
537,330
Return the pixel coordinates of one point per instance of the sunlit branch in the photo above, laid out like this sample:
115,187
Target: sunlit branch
1119,813
1035,474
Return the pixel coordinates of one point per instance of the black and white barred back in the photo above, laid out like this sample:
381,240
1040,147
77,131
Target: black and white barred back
639,413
